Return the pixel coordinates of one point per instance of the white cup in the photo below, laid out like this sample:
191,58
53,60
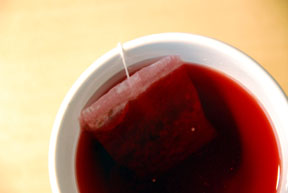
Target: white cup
191,48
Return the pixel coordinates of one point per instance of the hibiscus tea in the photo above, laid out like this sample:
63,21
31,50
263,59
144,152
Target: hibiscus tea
242,157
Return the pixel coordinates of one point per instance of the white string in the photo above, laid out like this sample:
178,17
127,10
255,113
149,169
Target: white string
122,54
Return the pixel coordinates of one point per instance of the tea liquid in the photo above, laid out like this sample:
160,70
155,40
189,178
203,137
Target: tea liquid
242,158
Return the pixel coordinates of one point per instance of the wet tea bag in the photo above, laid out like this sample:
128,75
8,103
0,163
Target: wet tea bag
151,121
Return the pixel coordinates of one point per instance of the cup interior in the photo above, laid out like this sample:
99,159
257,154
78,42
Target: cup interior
107,70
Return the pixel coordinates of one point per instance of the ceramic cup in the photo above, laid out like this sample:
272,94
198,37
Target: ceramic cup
191,48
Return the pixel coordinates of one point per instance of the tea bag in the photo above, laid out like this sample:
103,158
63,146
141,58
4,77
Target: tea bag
151,121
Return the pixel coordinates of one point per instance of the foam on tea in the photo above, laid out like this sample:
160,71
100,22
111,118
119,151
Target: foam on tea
176,128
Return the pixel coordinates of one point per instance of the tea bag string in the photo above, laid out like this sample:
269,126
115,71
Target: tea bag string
123,57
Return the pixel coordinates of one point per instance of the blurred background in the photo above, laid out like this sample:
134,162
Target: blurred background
46,44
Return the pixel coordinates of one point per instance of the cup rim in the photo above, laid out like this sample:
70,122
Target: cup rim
154,38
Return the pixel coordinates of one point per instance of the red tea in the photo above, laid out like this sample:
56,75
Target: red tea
242,158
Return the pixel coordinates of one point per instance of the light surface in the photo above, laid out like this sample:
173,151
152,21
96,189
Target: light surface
45,45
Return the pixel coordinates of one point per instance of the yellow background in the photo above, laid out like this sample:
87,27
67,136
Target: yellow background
46,44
